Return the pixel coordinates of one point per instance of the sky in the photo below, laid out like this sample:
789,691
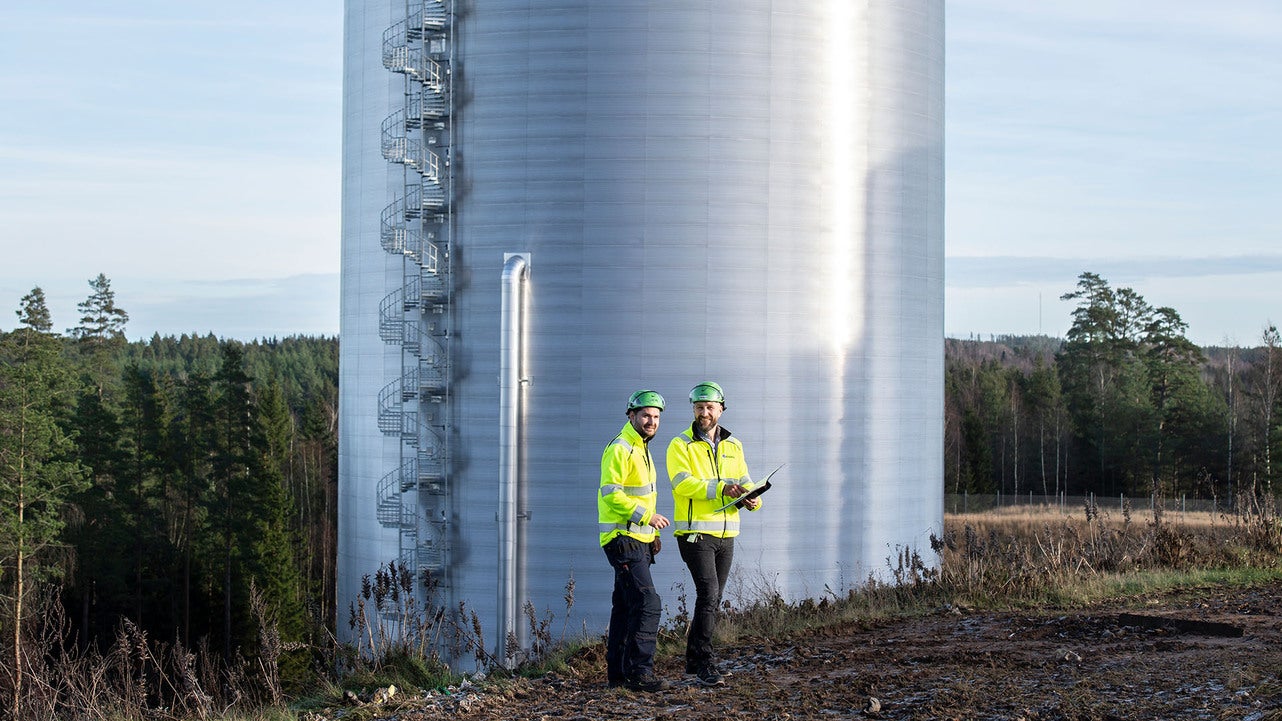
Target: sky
191,152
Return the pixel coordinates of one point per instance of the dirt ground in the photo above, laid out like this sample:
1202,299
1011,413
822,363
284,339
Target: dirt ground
1196,655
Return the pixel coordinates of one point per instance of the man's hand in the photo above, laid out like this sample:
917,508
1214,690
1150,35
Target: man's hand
733,490
659,522
751,503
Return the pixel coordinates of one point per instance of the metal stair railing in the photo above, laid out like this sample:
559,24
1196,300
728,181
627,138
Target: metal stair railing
429,16
393,326
418,291
395,235
391,317
429,256
393,418
431,551
422,108
398,147
395,143
431,171
399,237
424,557
420,472
427,288
431,378
418,200
390,488
403,53
414,497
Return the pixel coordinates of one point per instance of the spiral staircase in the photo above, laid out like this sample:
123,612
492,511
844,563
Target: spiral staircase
416,227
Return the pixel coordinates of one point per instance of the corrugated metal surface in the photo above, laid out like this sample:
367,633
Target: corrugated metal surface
368,274
747,191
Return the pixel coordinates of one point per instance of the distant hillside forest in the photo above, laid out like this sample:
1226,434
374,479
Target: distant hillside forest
160,481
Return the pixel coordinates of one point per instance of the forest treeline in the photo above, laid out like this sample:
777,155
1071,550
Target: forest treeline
165,483
162,482
1125,404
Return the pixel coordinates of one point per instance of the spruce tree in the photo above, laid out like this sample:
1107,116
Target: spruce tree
231,510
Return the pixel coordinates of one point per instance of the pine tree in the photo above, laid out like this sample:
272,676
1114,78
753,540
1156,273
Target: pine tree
34,311
101,322
101,333
37,466
1187,424
1105,382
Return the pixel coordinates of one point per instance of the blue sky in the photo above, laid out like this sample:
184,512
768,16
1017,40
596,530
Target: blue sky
191,151
1138,140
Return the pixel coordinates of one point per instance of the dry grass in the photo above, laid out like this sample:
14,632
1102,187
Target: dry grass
1036,555
1047,554
1002,558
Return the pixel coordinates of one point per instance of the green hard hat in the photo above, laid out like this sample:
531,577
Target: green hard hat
707,391
645,399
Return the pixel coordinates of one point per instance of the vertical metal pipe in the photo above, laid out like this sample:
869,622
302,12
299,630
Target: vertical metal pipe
516,270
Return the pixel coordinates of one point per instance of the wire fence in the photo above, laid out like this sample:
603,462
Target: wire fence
963,503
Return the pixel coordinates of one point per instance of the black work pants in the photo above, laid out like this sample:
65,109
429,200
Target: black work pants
709,559
634,613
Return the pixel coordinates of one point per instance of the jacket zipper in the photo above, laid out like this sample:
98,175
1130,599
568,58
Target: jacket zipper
716,467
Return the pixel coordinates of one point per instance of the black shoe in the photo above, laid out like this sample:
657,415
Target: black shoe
613,683
710,676
647,684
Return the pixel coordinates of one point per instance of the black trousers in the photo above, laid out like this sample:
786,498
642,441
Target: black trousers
634,612
708,559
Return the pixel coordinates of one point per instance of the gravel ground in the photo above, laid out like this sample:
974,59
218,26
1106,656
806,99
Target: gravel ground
1214,654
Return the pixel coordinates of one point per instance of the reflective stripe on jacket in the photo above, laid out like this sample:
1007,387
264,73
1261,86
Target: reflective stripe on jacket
699,476
628,494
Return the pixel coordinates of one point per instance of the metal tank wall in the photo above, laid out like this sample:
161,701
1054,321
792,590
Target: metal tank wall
746,191
366,362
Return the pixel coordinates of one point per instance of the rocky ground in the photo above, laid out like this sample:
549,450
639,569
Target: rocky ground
1194,655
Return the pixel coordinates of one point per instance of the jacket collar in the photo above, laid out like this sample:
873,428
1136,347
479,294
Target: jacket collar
630,434
722,433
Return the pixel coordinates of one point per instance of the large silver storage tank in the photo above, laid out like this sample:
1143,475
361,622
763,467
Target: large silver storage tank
746,191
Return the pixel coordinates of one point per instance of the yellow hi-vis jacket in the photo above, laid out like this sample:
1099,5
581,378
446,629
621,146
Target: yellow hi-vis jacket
699,476
628,494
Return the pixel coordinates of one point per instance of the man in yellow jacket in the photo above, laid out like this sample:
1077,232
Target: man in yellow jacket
629,523
708,471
